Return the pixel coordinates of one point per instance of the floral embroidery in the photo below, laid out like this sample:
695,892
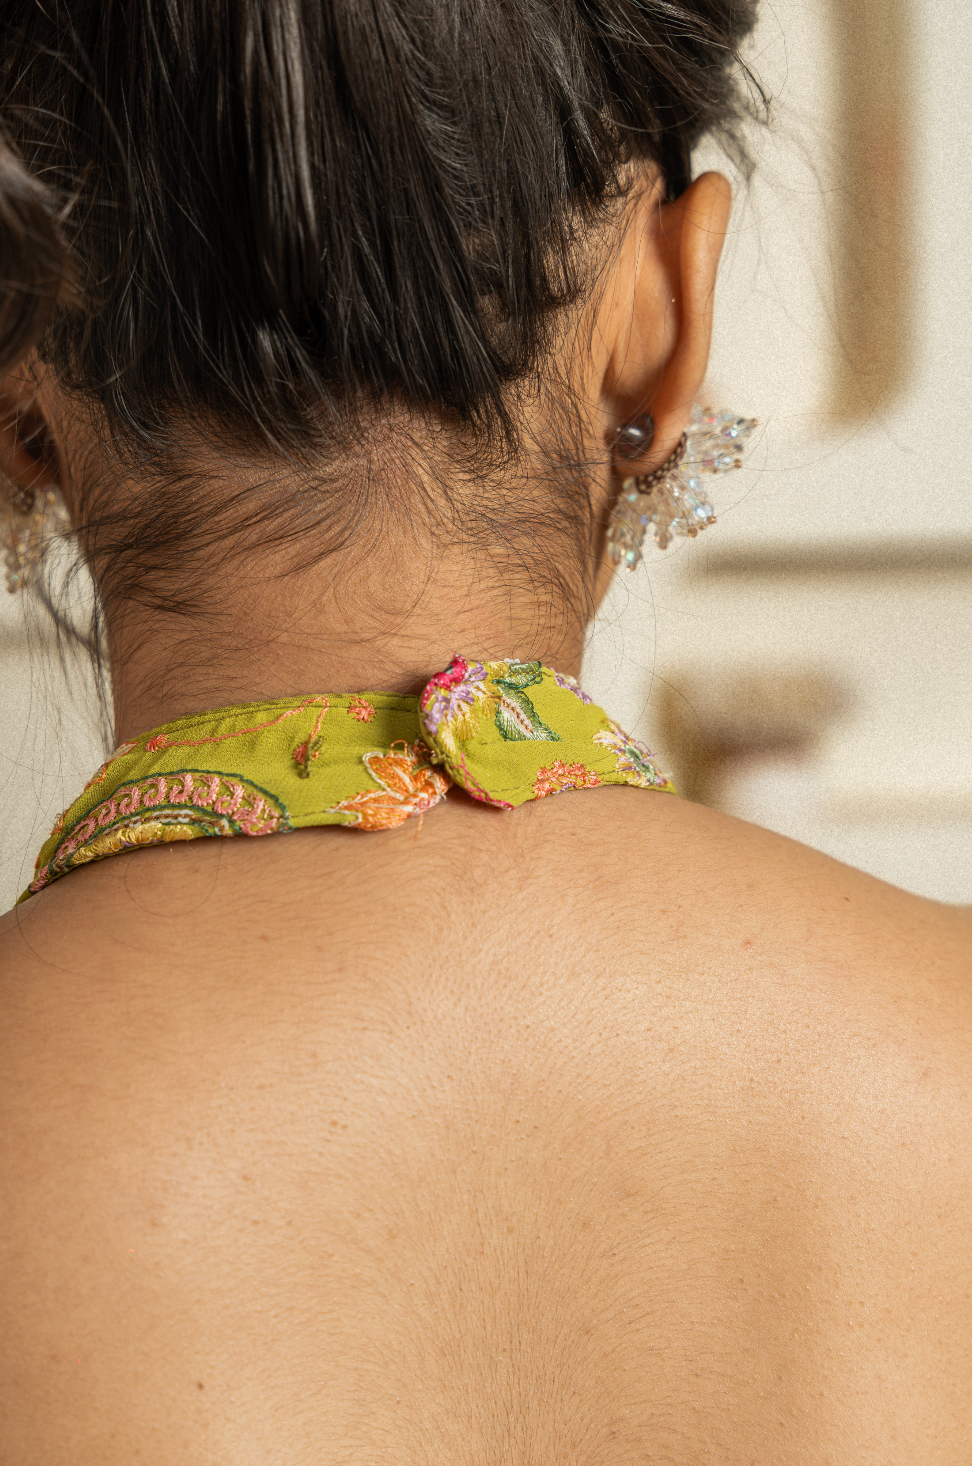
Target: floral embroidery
516,717
570,684
409,785
305,753
180,806
450,701
561,776
633,758
487,727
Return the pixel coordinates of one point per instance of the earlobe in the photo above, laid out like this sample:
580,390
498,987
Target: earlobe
682,249
33,510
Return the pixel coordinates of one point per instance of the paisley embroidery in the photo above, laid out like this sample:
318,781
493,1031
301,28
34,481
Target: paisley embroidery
408,786
486,727
181,806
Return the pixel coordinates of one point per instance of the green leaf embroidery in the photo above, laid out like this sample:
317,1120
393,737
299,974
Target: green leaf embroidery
519,675
517,718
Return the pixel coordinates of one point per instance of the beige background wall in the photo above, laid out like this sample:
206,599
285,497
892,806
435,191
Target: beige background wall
845,548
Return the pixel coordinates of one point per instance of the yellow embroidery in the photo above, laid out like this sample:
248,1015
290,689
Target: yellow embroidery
491,728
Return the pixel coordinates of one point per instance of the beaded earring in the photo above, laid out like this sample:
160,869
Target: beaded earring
29,520
671,500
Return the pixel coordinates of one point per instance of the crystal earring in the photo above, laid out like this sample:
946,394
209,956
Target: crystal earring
29,520
671,500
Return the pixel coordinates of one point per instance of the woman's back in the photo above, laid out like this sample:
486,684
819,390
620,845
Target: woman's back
607,1130
603,1129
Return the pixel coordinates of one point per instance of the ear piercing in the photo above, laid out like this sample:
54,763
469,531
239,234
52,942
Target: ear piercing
636,437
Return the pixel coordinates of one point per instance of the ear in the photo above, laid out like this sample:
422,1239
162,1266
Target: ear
662,351
29,454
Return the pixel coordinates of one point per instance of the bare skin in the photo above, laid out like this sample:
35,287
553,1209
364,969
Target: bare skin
608,1131
612,1130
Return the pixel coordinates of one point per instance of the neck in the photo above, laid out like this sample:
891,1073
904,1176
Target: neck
291,635
417,563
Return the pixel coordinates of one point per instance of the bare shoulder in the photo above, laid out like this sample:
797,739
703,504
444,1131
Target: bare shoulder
683,885
768,952
707,1086
616,899
750,934
638,878
745,890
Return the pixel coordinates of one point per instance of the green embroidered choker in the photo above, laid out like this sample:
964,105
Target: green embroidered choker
505,732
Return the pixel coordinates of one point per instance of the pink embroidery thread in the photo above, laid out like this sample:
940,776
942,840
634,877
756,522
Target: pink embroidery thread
259,818
179,793
230,806
159,794
206,797
130,804
162,740
186,804
559,776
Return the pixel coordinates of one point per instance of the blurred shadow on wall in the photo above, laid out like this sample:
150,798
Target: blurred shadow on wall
735,730
873,271
732,732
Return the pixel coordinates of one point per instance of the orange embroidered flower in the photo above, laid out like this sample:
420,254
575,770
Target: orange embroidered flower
408,786
154,744
361,709
560,776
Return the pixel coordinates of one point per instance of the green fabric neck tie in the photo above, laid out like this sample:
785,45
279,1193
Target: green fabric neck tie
504,731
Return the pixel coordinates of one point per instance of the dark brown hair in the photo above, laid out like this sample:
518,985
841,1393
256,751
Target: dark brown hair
278,203
35,269
283,211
